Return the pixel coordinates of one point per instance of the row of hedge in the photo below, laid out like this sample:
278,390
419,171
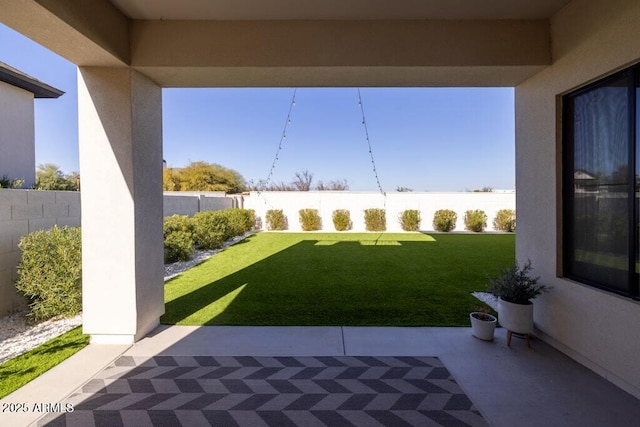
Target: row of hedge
205,230
50,267
444,220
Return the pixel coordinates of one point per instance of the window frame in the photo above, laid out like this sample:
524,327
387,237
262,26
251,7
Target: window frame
568,181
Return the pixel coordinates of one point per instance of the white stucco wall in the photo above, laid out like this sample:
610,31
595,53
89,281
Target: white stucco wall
17,137
590,39
394,204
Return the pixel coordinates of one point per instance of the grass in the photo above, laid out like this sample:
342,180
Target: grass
349,279
20,370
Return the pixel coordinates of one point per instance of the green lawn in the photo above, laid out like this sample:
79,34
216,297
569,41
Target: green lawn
20,370
355,279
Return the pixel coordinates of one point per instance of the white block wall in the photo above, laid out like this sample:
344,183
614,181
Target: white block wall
21,212
394,203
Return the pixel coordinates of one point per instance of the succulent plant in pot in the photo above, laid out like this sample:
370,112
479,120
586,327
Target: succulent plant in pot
515,287
483,324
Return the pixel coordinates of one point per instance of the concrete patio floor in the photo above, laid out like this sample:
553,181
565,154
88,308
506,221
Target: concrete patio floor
521,386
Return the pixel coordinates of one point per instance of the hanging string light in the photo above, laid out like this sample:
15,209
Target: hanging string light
366,132
282,139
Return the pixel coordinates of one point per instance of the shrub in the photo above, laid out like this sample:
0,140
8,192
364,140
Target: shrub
50,272
410,220
444,220
276,220
240,220
505,220
211,229
178,246
309,219
375,219
175,223
475,220
178,233
341,219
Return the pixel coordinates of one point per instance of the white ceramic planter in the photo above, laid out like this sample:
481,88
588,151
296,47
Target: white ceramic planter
483,329
516,318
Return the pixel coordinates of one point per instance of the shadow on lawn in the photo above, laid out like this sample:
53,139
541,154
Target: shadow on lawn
318,282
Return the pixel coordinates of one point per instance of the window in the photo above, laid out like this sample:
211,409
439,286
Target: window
600,184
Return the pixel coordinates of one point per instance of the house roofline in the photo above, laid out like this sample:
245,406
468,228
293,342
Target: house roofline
17,78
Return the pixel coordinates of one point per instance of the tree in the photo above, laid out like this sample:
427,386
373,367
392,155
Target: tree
484,190
403,189
302,180
170,180
337,185
50,177
203,176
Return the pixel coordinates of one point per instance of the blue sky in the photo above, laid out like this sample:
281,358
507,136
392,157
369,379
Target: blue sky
426,139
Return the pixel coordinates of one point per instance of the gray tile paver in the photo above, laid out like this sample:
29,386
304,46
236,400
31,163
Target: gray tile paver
517,386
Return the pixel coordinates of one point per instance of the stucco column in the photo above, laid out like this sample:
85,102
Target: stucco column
120,131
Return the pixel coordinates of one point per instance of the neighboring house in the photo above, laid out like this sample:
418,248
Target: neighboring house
17,135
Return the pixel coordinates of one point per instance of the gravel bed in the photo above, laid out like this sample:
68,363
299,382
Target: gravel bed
17,335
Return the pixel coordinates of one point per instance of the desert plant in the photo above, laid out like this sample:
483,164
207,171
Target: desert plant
178,246
410,220
516,285
211,229
444,220
178,233
482,312
309,219
276,220
341,219
240,220
175,223
50,272
475,220
375,219
505,220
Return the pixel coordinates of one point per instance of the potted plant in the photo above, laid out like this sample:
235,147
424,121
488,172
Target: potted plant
483,324
515,288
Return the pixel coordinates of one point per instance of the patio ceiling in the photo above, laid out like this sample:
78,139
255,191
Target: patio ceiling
337,9
229,43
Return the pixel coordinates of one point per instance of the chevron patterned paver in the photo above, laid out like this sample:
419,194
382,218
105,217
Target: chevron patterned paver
271,391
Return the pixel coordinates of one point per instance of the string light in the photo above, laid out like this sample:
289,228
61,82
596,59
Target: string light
366,131
282,138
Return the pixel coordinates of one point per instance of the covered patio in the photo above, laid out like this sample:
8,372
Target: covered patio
128,50
164,378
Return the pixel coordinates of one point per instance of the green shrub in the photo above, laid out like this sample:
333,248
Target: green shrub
375,219
444,220
341,219
505,220
309,219
475,220
211,229
50,272
178,233
240,220
276,220
175,223
178,246
410,220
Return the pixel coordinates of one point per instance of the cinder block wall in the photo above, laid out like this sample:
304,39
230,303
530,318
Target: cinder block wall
21,212
190,203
